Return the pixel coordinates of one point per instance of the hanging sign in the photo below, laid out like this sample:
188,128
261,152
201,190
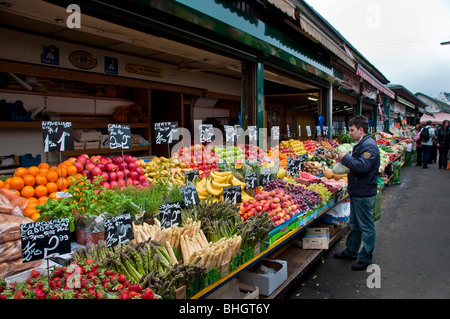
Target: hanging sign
57,136
233,194
170,214
42,240
190,195
164,132
118,230
119,136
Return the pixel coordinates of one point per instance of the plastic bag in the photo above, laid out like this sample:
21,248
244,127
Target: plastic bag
10,227
10,250
12,204
340,168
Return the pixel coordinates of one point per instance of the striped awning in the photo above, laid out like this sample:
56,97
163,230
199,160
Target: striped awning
435,118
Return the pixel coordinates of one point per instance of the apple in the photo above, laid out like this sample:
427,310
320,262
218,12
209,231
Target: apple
122,166
105,185
117,159
111,167
145,184
129,181
112,176
86,172
95,159
121,182
82,159
104,159
96,171
114,184
131,167
89,166
120,175
105,176
134,175
137,163
101,166
79,166
142,178
140,170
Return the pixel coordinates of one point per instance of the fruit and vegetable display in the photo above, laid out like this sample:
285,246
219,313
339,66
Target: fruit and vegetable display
212,237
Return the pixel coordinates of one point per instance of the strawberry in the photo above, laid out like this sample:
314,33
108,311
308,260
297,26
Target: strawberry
148,294
122,278
40,294
34,273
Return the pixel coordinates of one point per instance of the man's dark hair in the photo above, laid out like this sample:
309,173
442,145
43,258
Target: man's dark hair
360,121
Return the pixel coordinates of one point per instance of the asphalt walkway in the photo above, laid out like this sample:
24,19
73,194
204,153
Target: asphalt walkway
412,247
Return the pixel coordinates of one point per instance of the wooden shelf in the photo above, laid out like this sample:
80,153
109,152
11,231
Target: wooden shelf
71,95
98,151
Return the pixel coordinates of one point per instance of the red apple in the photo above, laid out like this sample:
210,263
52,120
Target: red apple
101,166
140,170
121,182
117,159
95,159
134,175
89,166
105,176
104,159
111,167
82,159
114,184
96,171
112,176
105,185
79,166
120,175
142,178
131,167
86,172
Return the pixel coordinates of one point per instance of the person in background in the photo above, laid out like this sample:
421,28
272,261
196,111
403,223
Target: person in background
434,153
427,145
443,144
418,145
363,164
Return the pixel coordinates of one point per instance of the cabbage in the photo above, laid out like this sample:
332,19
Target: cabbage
343,148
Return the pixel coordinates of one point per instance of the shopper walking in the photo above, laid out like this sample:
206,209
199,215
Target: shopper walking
434,148
443,144
427,143
364,164
418,145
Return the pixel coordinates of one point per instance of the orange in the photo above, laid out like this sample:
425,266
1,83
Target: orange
1,183
32,202
29,180
62,183
42,200
27,191
40,191
52,195
44,165
51,187
33,170
16,192
41,180
30,211
71,170
61,170
67,163
35,216
20,172
17,183
43,171
52,176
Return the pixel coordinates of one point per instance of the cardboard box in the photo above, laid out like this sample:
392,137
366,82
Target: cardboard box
266,281
316,238
81,135
235,290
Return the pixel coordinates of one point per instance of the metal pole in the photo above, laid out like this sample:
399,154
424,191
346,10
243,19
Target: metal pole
330,111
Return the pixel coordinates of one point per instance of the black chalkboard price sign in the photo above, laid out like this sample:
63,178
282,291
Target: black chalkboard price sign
57,136
170,214
119,136
164,131
190,176
190,195
118,230
293,165
233,194
251,180
42,240
265,178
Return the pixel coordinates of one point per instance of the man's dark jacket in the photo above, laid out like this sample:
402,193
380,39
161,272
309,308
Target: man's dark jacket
364,164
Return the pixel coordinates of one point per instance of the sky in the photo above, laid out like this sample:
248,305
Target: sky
401,38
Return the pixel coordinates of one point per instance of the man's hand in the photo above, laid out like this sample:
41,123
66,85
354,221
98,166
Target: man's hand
341,156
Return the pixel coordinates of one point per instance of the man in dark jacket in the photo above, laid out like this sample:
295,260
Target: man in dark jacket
443,144
363,163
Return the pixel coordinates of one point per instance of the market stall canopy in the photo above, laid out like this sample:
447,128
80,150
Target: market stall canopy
435,118
363,73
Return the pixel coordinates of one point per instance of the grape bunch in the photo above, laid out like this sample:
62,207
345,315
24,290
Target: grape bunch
307,198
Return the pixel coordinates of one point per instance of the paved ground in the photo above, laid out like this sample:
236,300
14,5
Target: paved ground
412,247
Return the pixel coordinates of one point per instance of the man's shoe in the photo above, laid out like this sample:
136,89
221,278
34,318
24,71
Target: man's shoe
343,255
359,265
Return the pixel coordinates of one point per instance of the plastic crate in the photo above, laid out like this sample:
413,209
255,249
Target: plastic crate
14,111
28,160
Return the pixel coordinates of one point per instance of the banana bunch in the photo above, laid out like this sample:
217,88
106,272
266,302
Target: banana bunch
213,186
